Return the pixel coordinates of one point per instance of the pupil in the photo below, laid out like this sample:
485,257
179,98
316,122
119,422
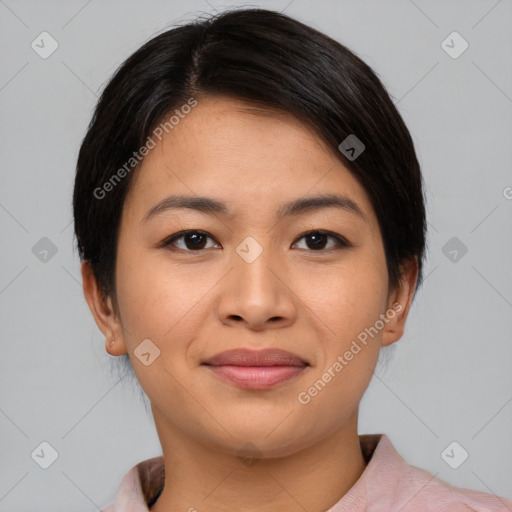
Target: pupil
317,236
196,237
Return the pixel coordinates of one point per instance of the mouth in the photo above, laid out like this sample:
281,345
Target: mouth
256,369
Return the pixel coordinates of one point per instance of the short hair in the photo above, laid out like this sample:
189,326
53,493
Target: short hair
270,59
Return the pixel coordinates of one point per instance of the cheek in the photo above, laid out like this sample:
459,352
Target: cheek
152,296
349,353
157,304
349,305
348,299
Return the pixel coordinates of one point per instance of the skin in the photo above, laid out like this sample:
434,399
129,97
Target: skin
192,305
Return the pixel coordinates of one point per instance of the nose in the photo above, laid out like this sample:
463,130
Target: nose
257,294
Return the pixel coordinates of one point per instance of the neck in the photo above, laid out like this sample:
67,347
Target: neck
199,478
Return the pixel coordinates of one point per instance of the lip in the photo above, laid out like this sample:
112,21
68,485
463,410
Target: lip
256,369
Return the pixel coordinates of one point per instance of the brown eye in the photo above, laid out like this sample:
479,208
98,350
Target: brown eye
193,240
196,241
317,240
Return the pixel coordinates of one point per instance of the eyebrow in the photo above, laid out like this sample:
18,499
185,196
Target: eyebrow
297,207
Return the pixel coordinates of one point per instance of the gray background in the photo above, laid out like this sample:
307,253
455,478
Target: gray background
448,379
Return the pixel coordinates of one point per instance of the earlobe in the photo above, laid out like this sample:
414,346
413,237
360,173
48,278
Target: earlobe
399,303
103,312
115,346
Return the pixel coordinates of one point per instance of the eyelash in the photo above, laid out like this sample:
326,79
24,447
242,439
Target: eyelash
341,242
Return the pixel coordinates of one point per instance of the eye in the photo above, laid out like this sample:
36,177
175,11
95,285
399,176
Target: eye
194,240
318,239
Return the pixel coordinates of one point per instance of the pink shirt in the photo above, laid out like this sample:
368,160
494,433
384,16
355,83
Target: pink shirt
388,484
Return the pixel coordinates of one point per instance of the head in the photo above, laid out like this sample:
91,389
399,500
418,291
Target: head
290,243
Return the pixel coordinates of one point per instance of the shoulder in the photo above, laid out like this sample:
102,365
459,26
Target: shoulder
139,488
423,491
389,483
434,495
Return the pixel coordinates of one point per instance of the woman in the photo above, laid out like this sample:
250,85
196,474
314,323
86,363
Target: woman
250,217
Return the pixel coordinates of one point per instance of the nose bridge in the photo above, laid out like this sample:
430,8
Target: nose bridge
252,264
255,292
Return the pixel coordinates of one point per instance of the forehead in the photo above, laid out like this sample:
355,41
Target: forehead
244,153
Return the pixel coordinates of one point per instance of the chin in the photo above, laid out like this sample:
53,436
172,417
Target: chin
271,438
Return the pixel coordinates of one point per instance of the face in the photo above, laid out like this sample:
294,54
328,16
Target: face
264,265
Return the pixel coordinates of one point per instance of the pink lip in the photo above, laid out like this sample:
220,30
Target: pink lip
256,369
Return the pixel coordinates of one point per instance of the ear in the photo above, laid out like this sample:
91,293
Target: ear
399,301
103,312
